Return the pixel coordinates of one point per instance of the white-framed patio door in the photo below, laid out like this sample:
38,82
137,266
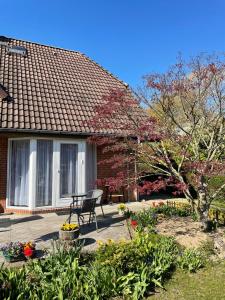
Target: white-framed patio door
69,166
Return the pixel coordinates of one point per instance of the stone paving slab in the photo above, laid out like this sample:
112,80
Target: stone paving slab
43,228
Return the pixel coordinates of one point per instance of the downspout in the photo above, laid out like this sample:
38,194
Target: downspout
135,174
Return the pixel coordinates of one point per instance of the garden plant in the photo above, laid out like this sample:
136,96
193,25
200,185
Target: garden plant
127,269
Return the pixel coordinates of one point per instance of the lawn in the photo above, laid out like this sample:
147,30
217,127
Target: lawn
208,283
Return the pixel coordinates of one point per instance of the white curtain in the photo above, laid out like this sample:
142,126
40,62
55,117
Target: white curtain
19,168
68,169
44,173
91,166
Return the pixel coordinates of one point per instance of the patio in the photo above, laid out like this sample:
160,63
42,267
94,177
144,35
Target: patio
42,228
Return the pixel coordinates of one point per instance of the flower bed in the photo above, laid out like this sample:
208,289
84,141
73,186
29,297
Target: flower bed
126,269
17,251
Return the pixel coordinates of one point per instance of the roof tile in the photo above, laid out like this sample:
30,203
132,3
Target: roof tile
51,88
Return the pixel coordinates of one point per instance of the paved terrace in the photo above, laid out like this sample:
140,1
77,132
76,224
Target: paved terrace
42,228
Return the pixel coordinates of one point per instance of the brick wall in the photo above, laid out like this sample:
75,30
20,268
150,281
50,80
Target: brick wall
3,171
105,171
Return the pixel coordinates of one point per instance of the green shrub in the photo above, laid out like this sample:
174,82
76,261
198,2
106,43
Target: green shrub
191,260
207,248
172,211
150,252
146,218
101,282
59,274
129,270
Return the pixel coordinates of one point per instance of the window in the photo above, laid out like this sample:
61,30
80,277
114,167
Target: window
19,172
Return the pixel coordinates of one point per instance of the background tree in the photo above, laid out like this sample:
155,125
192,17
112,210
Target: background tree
183,140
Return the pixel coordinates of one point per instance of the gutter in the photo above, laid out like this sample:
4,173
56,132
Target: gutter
43,131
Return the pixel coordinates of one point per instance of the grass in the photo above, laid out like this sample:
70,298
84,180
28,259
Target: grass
207,284
219,204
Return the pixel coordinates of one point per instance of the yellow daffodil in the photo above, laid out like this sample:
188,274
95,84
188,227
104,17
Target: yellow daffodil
122,206
110,241
100,243
69,227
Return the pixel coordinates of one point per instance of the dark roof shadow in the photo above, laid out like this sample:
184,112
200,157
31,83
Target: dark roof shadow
50,236
62,213
111,214
87,241
4,223
55,235
103,224
26,219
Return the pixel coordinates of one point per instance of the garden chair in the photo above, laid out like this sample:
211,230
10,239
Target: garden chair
96,194
85,206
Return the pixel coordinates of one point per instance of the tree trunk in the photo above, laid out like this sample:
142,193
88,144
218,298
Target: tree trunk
202,211
190,199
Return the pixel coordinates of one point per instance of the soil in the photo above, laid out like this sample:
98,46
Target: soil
188,233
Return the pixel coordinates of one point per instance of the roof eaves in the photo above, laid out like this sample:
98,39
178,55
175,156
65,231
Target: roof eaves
57,132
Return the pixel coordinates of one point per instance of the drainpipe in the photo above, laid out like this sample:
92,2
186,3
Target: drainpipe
135,174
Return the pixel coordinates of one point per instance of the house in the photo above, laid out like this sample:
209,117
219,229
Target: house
47,95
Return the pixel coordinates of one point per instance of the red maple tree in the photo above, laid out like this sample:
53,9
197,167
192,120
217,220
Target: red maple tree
174,128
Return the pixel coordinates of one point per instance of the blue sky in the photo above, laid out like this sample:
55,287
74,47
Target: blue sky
130,38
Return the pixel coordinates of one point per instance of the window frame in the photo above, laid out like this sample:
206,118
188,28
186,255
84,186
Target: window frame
8,175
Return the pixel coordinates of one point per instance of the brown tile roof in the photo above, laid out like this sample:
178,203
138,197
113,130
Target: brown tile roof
3,93
51,89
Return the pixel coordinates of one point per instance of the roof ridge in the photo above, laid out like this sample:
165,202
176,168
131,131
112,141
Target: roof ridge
104,69
40,44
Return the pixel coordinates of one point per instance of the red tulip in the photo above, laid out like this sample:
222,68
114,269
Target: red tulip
134,223
28,252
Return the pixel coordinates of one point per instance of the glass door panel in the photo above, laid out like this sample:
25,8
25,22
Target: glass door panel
19,173
68,169
44,173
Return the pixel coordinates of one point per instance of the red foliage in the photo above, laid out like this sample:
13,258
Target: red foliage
120,114
149,187
160,184
113,183
124,126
